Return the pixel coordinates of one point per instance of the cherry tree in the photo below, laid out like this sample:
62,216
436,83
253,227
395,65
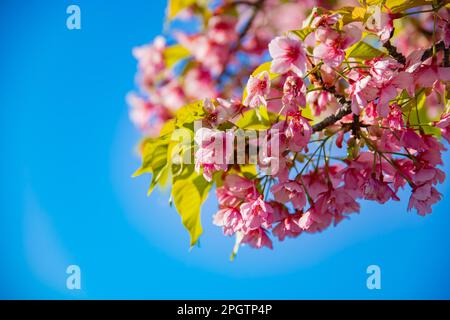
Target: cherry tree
294,111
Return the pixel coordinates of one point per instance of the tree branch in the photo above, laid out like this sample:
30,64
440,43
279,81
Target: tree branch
330,120
394,53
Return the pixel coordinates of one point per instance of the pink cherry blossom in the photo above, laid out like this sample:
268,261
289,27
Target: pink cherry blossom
290,191
331,52
382,24
288,54
294,90
422,198
336,202
235,191
222,111
198,84
230,219
221,29
298,131
323,25
257,238
431,154
380,191
321,102
151,59
361,93
388,78
288,227
256,213
172,95
258,88
313,221
426,76
444,125
299,182
211,154
211,54
435,101
147,116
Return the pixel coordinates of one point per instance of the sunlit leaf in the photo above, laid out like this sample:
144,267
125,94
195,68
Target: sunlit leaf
352,14
416,113
402,5
397,5
189,113
302,33
363,50
174,54
154,161
176,6
254,120
188,196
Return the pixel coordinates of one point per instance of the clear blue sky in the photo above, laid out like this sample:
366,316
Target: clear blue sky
66,196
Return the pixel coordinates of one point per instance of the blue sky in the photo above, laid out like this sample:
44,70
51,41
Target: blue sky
67,196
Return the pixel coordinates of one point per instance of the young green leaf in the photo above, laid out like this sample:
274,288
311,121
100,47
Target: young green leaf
188,196
302,33
174,54
154,161
176,6
254,119
363,50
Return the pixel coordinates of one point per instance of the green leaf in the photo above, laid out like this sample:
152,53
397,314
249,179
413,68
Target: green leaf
189,113
176,6
418,114
403,5
302,33
167,128
173,54
265,67
154,161
352,14
363,50
188,196
254,119
397,5
316,11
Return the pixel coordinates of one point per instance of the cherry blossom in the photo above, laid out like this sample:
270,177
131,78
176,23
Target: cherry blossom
336,119
258,87
288,54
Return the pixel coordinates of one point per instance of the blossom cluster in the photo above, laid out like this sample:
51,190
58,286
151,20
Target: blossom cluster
359,110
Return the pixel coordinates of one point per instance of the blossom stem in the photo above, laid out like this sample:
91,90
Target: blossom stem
416,12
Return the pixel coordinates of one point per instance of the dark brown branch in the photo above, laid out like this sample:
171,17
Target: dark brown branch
447,57
429,52
394,53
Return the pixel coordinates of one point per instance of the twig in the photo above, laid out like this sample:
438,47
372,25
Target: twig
429,52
